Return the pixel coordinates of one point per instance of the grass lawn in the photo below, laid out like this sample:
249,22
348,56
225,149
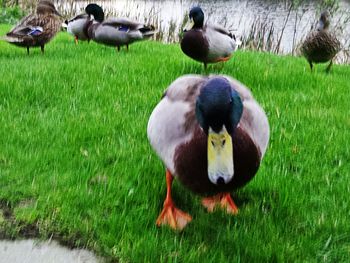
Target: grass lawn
76,165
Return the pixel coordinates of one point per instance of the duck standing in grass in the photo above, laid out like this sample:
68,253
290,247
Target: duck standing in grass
36,29
78,26
321,46
204,42
116,32
211,135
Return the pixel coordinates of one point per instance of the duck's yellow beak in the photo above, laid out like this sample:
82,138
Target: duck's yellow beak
189,25
220,157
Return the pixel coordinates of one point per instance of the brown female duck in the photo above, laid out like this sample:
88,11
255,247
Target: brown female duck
36,29
321,45
211,135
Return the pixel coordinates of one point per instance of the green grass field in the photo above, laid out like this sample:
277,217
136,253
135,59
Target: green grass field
76,165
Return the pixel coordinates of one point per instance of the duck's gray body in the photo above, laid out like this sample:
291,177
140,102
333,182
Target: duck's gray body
119,32
78,26
204,42
210,44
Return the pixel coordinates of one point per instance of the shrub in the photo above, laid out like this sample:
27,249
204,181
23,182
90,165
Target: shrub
10,15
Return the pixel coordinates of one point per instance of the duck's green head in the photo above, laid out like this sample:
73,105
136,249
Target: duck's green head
218,111
324,21
96,11
196,18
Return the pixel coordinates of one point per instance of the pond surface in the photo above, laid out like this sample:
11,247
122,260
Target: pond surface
237,15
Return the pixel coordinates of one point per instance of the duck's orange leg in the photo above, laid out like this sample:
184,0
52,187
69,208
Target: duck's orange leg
76,40
170,215
223,200
223,59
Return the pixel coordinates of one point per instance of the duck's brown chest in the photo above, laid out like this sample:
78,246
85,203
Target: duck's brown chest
195,45
191,163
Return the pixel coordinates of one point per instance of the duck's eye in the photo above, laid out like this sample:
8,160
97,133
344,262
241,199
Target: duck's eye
223,142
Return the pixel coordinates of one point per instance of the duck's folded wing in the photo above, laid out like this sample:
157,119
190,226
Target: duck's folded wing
30,25
123,23
27,31
173,120
221,30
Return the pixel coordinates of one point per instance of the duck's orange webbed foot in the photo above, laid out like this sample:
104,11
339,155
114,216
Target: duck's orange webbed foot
224,59
223,200
171,215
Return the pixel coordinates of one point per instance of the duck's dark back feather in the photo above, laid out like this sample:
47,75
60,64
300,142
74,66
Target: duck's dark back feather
81,16
123,22
191,166
320,46
195,45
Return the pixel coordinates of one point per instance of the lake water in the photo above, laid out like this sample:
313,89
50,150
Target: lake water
236,15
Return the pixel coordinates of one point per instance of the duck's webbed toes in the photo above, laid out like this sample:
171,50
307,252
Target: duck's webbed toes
173,217
222,200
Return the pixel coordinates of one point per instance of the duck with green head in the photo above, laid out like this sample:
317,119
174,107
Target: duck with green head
321,45
204,42
36,29
78,26
211,134
116,32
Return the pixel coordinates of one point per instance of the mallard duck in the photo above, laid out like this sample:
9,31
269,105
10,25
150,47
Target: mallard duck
321,46
36,29
78,26
116,32
204,42
211,134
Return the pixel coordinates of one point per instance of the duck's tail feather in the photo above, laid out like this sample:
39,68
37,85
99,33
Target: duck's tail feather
12,39
148,31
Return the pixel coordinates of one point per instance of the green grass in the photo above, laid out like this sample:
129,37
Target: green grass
75,161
